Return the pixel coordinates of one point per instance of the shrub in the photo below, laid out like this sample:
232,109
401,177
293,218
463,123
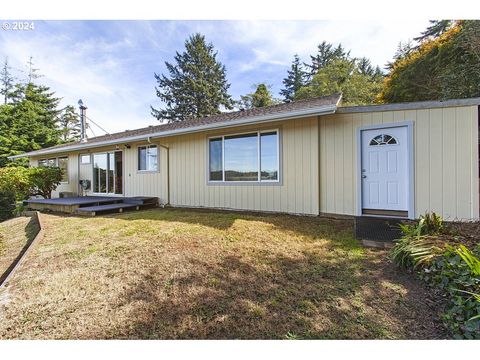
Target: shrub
43,180
411,252
19,183
454,271
420,242
7,204
453,277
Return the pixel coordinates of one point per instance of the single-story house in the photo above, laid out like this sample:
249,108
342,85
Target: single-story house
304,157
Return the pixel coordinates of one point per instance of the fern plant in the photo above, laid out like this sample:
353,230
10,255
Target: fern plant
418,245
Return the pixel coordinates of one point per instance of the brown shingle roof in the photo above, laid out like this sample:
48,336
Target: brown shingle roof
274,110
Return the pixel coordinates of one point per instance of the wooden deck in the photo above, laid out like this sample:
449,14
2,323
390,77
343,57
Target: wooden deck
91,205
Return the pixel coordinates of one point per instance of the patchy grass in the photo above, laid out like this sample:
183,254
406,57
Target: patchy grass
204,274
14,235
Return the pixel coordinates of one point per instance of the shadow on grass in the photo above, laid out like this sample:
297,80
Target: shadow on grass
31,230
338,231
307,297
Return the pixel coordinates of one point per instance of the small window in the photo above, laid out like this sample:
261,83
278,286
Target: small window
148,158
85,159
42,162
63,165
383,140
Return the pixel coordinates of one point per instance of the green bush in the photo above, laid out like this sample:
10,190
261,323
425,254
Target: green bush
19,183
43,180
420,242
7,204
454,271
453,276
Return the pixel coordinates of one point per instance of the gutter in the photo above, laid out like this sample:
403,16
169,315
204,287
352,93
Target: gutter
322,110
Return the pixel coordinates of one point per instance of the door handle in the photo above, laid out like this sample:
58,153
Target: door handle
364,176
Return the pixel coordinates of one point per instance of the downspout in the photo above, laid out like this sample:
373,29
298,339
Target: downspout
168,169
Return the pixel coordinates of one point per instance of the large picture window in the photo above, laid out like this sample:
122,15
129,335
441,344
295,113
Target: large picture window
251,157
148,158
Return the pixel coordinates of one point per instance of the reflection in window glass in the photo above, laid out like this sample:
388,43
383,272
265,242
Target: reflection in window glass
383,140
152,158
52,162
147,158
269,156
100,173
216,168
241,158
246,157
85,159
63,164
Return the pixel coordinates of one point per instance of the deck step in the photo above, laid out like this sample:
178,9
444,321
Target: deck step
141,200
107,207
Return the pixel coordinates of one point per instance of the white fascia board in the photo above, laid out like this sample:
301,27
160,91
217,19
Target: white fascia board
323,110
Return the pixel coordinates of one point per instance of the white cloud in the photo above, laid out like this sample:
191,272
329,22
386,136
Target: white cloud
112,68
275,42
88,70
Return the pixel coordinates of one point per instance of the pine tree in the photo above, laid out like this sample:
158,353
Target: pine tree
326,53
296,78
343,76
6,80
260,98
436,28
29,122
69,124
33,72
196,86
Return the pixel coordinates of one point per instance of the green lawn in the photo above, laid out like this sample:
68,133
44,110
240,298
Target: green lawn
166,274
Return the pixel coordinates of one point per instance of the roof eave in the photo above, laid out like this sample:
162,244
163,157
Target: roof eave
321,110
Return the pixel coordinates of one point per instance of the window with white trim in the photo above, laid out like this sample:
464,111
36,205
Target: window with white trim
148,158
61,162
85,159
249,157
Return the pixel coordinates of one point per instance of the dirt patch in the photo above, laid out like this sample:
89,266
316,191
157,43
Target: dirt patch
178,274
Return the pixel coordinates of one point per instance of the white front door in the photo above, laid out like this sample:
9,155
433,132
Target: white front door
384,170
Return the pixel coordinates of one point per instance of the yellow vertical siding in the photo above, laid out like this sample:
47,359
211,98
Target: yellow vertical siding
297,192
445,152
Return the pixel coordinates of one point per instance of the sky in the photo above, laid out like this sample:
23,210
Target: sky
110,65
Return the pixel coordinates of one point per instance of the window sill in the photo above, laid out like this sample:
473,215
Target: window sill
244,183
147,171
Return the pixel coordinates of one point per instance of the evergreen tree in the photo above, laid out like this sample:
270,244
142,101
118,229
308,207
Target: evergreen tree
403,50
6,81
296,78
69,124
326,53
436,28
196,86
260,98
343,76
32,71
29,122
443,67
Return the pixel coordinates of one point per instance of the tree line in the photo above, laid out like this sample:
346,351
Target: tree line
30,115
442,62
